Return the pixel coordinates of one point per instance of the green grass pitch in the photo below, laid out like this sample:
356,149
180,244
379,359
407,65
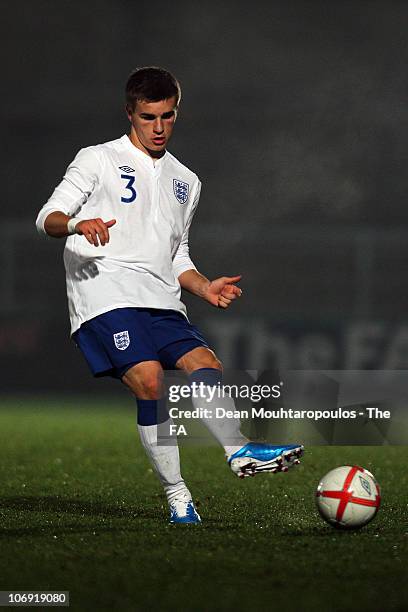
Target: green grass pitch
82,511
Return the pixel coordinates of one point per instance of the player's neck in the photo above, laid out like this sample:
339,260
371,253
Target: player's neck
154,155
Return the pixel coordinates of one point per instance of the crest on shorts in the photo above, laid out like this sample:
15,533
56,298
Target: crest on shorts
365,484
121,340
181,190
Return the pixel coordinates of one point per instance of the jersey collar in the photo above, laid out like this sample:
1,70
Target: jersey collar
143,156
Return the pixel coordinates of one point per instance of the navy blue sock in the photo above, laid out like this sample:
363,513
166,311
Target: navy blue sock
151,412
208,376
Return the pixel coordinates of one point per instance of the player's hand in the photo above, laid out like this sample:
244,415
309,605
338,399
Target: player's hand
222,291
95,230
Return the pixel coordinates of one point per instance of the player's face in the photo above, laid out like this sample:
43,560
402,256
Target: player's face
152,125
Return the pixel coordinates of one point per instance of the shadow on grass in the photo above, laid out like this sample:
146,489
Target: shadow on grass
56,531
98,512
95,510
315,531
75,506
326,531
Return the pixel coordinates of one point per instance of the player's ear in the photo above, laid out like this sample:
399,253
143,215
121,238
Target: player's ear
129,111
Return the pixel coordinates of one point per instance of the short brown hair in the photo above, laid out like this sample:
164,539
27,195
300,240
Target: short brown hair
151,84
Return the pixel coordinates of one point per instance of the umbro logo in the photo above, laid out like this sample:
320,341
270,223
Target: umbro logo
365,484
126,168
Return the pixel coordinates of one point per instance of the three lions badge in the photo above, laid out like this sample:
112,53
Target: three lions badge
181,190
121,340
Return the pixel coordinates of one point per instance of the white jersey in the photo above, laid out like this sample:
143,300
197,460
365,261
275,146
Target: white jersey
153,203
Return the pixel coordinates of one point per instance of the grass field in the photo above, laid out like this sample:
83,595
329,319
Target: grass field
82,511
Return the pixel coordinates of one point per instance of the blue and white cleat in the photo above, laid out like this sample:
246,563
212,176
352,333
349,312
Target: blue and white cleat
254,458
182,510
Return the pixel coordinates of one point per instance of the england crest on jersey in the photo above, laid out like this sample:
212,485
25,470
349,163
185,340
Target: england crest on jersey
121,340
181,190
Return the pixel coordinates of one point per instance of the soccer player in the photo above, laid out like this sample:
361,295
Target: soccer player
126,207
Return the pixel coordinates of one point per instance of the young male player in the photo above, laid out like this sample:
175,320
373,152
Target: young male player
126,207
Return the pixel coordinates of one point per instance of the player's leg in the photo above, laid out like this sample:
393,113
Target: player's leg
202,366
145,380
118,343
181,345
244,457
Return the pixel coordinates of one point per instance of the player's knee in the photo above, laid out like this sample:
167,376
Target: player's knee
210,360
199,358
217,364
145,382
151,386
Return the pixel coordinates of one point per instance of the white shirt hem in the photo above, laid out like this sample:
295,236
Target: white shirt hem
101,311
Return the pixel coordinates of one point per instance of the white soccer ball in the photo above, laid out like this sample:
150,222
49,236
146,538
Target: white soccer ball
348,497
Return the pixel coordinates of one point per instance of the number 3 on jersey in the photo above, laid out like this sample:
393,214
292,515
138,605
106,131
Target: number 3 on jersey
129,187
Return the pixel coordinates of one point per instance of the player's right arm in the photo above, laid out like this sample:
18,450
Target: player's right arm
57,216
95,231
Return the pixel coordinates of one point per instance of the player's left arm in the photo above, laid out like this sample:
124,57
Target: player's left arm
220,292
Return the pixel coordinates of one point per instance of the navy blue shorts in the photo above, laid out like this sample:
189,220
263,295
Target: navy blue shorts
115,341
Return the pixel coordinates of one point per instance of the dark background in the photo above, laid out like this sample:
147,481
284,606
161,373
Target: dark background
293,115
